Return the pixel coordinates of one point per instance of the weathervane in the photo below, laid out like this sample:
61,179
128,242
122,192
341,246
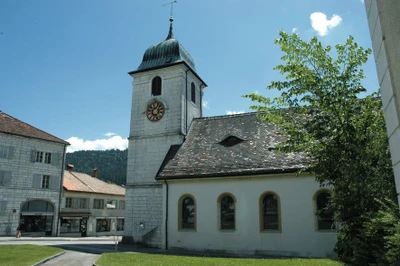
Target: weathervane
172,9
171,19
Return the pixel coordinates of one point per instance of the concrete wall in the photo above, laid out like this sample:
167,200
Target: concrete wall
384,24
19,189
298,236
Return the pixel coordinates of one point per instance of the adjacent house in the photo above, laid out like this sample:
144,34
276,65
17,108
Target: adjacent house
31,174
90,206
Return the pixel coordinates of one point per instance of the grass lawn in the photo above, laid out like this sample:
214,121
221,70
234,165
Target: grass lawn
21,255
129,258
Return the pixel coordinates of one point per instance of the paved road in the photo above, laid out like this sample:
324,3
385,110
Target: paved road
79,251
73,258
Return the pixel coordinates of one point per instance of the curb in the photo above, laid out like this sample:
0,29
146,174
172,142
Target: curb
49,258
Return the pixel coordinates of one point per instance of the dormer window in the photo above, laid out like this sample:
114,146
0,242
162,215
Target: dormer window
193,94
231,141
156,86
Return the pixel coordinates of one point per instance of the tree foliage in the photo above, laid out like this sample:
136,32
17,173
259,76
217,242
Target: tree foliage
321,112
111,164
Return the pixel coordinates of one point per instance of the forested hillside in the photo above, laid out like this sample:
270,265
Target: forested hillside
111,164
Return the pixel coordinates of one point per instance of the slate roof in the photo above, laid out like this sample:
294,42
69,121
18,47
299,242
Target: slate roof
208,150
81,182
13,126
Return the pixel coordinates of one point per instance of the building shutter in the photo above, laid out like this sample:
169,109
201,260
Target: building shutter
33,156
10,155
37,180
3,206
54,182
7,178
55,159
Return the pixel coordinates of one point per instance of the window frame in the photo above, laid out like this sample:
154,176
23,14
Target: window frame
193,92
118,229
43,157
45,182
156,87
121,205
261,212
102,204
219,203
180,213
112,202
316,216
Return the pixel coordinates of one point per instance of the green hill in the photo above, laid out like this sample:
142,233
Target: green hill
111,164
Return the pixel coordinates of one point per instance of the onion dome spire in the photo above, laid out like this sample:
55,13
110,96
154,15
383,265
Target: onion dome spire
170,33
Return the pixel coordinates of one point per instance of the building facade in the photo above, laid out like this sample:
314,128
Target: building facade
384,26
90,206
31,173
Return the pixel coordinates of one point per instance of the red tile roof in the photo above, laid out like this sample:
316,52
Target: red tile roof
11,125
81,182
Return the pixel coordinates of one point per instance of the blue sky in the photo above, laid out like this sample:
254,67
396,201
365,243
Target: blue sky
64,64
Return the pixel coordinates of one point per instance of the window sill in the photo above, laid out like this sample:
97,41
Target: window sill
270,231
227,230
187,230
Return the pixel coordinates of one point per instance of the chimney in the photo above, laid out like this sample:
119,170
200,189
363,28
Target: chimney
70,167
95,171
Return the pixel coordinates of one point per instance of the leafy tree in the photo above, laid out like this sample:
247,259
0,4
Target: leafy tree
320,111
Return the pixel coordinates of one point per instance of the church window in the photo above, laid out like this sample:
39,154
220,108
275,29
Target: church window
270,212
227,211
187,212
193,93
156,86
324,214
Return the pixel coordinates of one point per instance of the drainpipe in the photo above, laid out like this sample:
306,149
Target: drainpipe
186,104
201,100
166,217
61,189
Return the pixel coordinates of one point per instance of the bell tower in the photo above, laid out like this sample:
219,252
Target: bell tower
167,95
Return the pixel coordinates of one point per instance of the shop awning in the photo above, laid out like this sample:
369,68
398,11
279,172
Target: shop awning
75,214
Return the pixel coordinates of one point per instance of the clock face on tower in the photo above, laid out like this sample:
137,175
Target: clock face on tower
155,111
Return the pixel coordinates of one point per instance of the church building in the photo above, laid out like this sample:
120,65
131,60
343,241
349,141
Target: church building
213,184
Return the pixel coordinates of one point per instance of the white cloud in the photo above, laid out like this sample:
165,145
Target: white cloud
234,112
362,1
110,134
321,24
205,105
115,142
294,30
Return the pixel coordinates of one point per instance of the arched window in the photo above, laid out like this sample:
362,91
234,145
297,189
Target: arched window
227,208
193,94
187,212
270,211
156,86
324,213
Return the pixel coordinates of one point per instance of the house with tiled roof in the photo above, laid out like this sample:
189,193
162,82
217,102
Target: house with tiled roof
31,173
90,206
214,183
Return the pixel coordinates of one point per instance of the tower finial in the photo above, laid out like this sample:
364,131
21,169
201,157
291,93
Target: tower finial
171,19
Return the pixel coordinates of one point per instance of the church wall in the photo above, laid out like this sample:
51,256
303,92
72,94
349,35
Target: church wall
298,235
18,189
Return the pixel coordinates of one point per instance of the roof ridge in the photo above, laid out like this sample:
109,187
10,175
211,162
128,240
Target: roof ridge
12,117
225,116
82,180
